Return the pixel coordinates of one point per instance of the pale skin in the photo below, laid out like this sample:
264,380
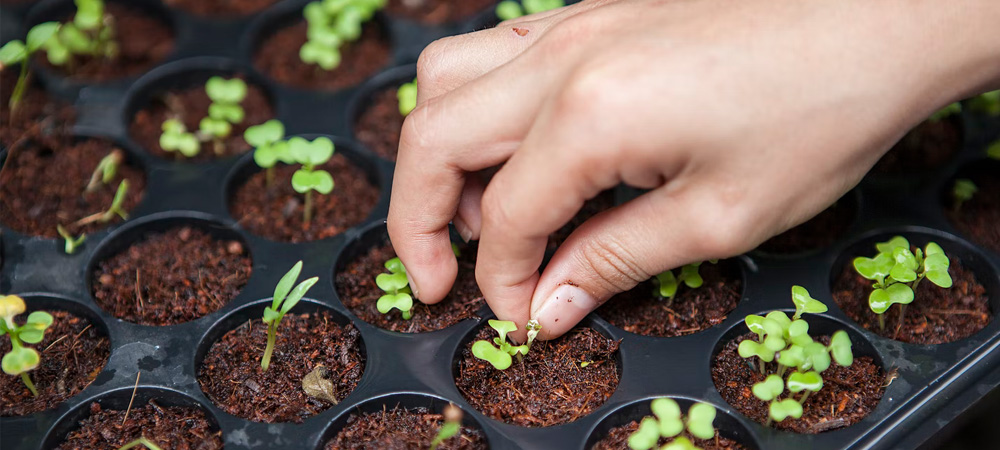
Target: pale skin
743,118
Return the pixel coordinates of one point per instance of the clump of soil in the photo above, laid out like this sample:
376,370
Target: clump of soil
278,57
143,41
935,316
643,312
171,277
42,185
848,395
435,12
220,7
380,124
549,386
73,352
617,439
190,106
980,216
175,427
37,115
231,376
401,429
604,201
927,147
358,291
275,212
819,232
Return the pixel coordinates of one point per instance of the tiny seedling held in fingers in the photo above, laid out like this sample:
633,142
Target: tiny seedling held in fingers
269,146
20,359
500,355
308,178
407,97
667,422
106,170
72,243
18,52
509,9
962,191
176,138
452,425
114,210
285,297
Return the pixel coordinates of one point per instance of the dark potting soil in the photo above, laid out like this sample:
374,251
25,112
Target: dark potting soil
276,212
979,218
401,429
278,57
617,439
191,105
42,185
231,376
220,7
816,233
73,352
604,201
935,316
848,394
171,277
37,116
641,311
437,11
143,41
380,124
173,427
358,291
548,387
927,147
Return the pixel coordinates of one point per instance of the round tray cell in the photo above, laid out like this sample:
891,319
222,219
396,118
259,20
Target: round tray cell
275,210
818,233
400,420
162,415
977,217
38,113
924,149
169,269
311,335
613,430
936,315
73,353
374,113
853,392
220,8
177,91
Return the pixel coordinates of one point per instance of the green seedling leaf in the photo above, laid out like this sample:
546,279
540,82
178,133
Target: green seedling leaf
89,14
799,381
20,360
267,155
323,34
508,10
223,111
874,268
74,40
12,53
905,265
34,327
817,357
297,294
214,127
448,430
401,301
781,319
940,278
265,134
225,91
804,303
537,6
285,284
270,315
391,282
993,150
774,333
700,419
748,349
784,409
325,57
793,356
892,244
313,153
348,22
395,265
407,96
71,242
755,324
485,351
502,327
681,443
11,306
769,389
668,414
667,284
56,52
963,190
315,14
840,348
645,437
690,275
798,332
881,299
533,328
39,35
317,180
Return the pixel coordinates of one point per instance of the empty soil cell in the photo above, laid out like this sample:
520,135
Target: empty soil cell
401,429
171,277
358,291
380,124
436,12
231,376
617,439
641,311
175,427
604,201
278,57
220,7
549,386
979,218
276,212
42,185
190,106
73,352
848,394
936,315
816,233
929,146
37,116
143,41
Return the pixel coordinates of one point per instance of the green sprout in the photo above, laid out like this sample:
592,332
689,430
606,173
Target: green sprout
962,191
946,112
114,210
225,110
668,422
143,441
20,360
993,150
90,33
897,272
285,297
500,356
269,146
72,243
331,24
407,96
509,9
176,138
987,103
106,170
397,288
18,52
667,283
452,425
308,178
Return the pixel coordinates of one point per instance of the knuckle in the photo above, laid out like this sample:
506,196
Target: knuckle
722,227
434,61
613,265
418,128
495,214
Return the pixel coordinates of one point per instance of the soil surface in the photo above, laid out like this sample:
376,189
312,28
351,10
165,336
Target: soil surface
936,315
231,376
358,291
276,212
436,12
73,352
848,395
604,201
191,105
37,116
401,429
980,216
819,232
380,124
548,387
617,439
173,427
143,41
929,146
171,277
220,7
278,57
643,312
42,185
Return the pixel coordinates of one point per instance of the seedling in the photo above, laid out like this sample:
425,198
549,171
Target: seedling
150,445
500,356
407,96
946,112
897,272
667,422
17,52
962,191
510,9
106,170
285,297
993,151
988,103
90,33
308,178
176,138
72,243
269,146
331,24
397,288
21,360
225,110
667,283
115,210
452,425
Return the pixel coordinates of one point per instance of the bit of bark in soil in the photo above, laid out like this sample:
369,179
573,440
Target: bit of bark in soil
173,427
358,291
220,7
936,315
42,185
819,232
182,274
380,124
401,429
617,439
278,57
548,387
232,378
640,311
276,212
848,395
143,41
604,201
37,116
193,103
73,352
929,146
435,12
979,218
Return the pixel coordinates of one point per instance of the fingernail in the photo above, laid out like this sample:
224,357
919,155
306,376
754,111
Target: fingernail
564,308
463,229
413,286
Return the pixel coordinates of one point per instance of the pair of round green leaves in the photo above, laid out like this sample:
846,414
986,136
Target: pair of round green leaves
16,51
896,270
330,24
397,289
21,359
668,422
668,283
287,294
501,355
271,147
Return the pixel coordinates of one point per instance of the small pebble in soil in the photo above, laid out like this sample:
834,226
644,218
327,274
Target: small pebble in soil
402,429
174,427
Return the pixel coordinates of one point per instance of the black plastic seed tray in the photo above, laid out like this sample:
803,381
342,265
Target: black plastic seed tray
935,384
